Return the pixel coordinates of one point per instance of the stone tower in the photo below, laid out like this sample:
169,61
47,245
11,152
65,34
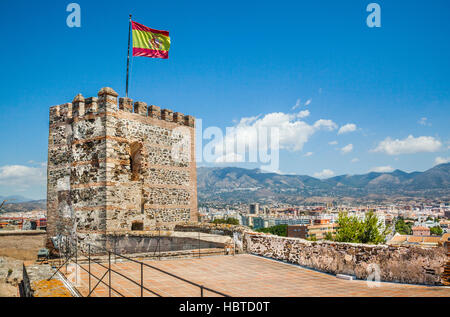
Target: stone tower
118,168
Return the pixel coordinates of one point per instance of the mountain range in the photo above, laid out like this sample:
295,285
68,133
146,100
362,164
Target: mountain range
21,204
232,184
240,185
15,199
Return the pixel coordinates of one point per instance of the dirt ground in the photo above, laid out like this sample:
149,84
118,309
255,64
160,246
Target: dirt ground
21,247
14,249
10,276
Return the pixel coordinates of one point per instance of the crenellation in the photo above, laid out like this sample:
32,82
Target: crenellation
189,121
78,105
178,117
167,115
154,112
65,110
91,105
54,114
60,113
126,104
107,100
140,108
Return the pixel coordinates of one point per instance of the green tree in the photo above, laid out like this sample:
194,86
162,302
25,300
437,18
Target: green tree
437,231
279,230
352,229
371,230
402,227
349,228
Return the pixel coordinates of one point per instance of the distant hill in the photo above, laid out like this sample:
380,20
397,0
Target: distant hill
15,199
15,206
232,184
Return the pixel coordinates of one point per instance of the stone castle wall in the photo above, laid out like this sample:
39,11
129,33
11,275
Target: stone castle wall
112,165
404,264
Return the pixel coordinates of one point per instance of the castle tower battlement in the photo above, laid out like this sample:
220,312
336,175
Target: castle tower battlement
118,166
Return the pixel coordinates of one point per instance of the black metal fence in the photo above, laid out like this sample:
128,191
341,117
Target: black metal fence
74,251
163,244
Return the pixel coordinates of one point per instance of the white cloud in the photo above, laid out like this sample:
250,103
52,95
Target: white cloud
409,145
333,142
355,160
308,154
325,124
303,114
293,132
347,149
13,173
441,160
382,169
350,127
297,104
326,173
424,121
20,178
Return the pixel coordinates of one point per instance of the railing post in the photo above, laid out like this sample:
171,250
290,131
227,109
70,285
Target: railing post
142,279
109,262
201,290
67,251
76,262
115,248
76,253
89,261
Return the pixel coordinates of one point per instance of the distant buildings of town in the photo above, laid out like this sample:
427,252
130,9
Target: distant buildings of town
29,220
314,222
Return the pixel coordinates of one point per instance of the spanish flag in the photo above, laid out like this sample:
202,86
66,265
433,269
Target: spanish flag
149,42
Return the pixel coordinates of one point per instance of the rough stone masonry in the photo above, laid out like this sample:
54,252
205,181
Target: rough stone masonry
118,167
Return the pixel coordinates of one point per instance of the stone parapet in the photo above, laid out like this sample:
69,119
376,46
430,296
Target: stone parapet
107,101
402,264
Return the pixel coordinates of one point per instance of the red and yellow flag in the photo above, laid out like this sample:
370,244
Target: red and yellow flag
149,42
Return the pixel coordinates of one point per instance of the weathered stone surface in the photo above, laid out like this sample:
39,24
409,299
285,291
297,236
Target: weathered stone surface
404,264
126,104
140,108
110,167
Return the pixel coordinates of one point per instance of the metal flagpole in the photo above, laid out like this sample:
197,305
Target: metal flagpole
128,57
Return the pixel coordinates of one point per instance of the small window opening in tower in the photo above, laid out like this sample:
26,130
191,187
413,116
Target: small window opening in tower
137,226
143,202
135,160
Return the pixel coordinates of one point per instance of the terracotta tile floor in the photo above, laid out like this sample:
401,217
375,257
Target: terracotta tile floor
241,275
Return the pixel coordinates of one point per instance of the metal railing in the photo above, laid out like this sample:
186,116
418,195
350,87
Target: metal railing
196,245
70,251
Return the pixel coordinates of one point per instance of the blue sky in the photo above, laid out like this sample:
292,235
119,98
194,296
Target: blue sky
238,59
